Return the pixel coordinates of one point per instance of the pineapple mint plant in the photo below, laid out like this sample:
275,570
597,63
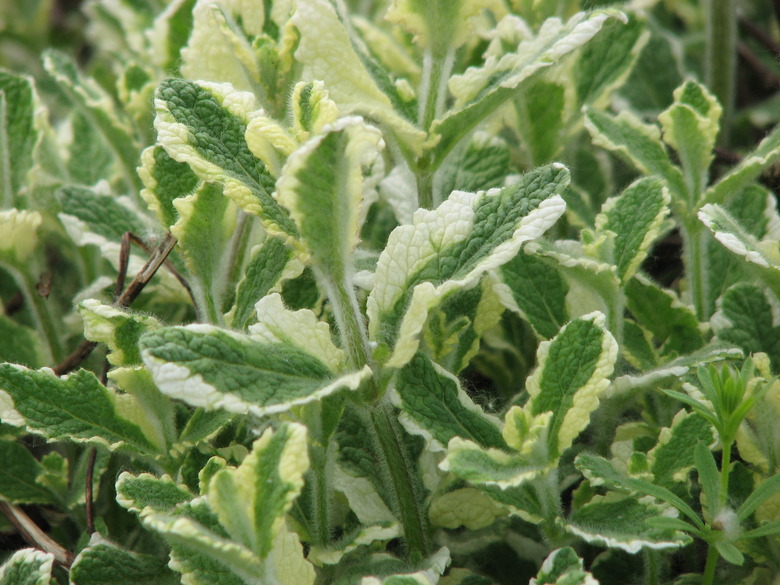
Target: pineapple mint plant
453,292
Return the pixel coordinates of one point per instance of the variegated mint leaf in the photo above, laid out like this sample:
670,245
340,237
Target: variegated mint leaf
635,217
28,566
251,501
433,569
434,406
690,126
118,328
203,124
218,369
18,476
467,507
146,494
169,34
624,523
353,81
563,567
164,180
97,105
103,563
641,144
671,460
76,407
537,290
207,220
269,265
483,164
541,119
321,185
748,169
480,91
573,372
19,107
20,344
450,248
312,109
20,238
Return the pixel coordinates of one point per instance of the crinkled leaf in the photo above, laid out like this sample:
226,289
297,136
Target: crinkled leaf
690,126
541,118
640,143
671,459
89,160
28,566
660,311
449,248
203,124
481,91
483,164
430,574
18,476
214,368
118,328
147,494
434,406
354,82
746,321
573,371
539,293
635,217
623,523
76,407
93,218
321,185
252,500
164,180
102,563
265,269
563,567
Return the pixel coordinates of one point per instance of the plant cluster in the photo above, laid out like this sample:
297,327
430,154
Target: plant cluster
388,292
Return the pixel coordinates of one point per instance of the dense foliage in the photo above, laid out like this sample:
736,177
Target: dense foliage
369,292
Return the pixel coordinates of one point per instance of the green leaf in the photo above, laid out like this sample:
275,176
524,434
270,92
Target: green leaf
93,218
18,133
207,220
321,185
541,118
762,493
638,142
480,91
449,248
20,238
18,476
118,328
27,567
356,84
749,168
467,507
563,567
709,479
690,126
573,371
623,523
76,407
600,471
170,33
745,320
252,500
89,160
434,567
673,324
483,164
670,461
203,124
146,494
435,407
217,369
269,264
635,217
98,107
19,344
102,563
164,180
606,61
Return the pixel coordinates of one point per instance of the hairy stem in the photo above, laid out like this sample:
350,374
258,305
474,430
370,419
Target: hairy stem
352,328
694,250
708,578
721,57
406,483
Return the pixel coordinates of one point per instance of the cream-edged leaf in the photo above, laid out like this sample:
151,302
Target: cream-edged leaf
217,369
20,239
563,567
164,181
28,566
450,248
204,125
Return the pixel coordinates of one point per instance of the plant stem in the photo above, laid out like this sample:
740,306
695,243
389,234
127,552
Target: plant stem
651,567
238,250
708,578
721,57
354,337
694,249
725,471
405,482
